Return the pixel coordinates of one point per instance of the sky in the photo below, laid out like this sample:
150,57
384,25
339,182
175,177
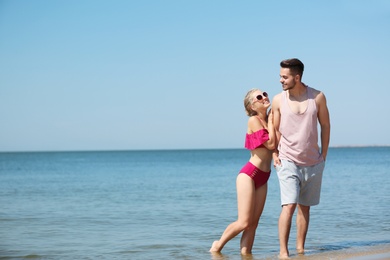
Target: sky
140,75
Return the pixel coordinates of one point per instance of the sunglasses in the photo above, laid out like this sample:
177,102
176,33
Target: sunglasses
260,97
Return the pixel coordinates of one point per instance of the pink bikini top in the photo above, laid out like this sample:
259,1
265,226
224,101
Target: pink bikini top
256,139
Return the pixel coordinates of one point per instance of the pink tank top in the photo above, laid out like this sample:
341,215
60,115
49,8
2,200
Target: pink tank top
299,134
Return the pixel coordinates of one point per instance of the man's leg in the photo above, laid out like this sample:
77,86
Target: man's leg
303,217
284,228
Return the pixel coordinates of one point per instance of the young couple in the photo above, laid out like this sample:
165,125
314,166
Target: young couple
288,135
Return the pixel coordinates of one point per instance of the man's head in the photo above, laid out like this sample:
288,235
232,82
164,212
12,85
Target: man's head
291,72
296,66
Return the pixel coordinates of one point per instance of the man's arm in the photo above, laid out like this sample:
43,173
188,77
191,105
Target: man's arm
324,120
276,122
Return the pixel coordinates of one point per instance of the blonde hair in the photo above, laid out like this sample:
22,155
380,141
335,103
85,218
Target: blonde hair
248,100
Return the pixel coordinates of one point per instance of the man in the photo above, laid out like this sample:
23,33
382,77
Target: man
298,160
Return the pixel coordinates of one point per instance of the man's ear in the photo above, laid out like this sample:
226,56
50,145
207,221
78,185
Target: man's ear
297,78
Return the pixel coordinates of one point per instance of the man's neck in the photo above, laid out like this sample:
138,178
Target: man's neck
298,91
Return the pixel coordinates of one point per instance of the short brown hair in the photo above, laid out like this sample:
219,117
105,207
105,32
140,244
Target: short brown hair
295,65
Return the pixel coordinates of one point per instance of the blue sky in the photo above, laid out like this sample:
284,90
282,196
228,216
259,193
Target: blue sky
123,75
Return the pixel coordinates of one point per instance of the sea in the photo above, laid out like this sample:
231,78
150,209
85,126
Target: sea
172,204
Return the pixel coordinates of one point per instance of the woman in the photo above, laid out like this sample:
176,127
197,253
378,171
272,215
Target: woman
252,180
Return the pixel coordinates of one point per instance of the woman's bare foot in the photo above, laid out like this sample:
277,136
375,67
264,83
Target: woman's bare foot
300,251
215,247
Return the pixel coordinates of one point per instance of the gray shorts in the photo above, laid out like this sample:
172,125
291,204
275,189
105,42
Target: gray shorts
300,184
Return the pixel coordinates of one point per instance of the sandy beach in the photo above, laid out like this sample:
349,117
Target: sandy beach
377,252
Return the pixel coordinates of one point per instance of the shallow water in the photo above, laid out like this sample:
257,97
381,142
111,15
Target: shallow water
173,204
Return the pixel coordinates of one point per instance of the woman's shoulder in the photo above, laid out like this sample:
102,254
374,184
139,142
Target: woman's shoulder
253,119
254,123
256,139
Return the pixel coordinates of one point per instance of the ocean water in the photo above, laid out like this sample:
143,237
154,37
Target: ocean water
174,204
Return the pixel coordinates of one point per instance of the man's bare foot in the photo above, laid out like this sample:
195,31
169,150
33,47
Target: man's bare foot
246,252
300,251
283,256
215,247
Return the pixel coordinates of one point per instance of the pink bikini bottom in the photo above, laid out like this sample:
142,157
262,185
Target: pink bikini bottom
258,176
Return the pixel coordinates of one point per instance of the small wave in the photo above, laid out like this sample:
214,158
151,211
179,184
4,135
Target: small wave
31,256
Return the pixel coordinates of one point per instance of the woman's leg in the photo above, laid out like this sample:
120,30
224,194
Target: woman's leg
248,237
245,200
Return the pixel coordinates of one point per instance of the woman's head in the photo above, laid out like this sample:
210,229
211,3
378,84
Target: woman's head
256,100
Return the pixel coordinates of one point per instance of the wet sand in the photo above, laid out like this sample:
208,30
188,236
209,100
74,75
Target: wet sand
378,252
374,252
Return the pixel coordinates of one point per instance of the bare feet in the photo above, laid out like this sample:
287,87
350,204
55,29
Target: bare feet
283,256
300,251
215,247
245,252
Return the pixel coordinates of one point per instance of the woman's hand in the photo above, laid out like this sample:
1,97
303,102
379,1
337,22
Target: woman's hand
275,156
270,118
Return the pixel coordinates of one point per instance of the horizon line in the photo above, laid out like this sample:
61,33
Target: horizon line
166,149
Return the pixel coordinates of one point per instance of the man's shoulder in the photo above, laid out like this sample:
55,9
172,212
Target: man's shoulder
278,96
318,96
315,91
276,99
